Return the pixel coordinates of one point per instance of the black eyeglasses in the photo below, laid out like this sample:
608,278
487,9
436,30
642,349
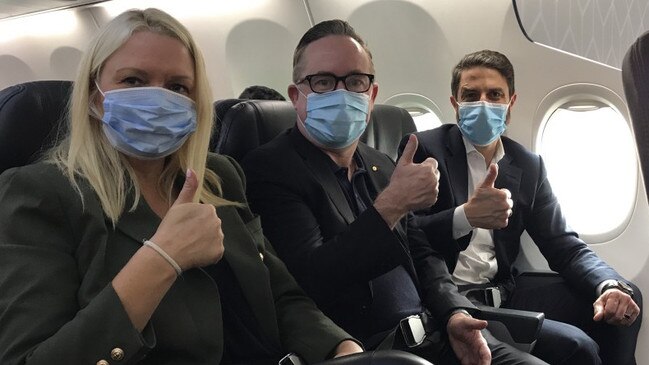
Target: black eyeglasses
322,83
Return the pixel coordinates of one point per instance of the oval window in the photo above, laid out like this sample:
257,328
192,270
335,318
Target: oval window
591,163
424,112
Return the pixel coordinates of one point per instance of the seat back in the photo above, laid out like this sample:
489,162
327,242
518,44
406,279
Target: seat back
635,78
31,116
249,124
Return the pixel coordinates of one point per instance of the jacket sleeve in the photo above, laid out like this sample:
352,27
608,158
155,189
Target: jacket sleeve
303,328
292,206
41,318
439,294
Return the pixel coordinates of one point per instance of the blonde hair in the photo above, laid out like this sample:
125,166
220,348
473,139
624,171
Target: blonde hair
86,153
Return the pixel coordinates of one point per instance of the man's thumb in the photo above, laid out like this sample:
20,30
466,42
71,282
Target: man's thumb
409,151
598,309
188,191
490,179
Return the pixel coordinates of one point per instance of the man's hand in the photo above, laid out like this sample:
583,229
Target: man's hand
489,208
347,347
615,307
467,341
412,186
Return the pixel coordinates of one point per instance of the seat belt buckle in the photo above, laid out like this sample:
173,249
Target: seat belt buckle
493,297
413,331
291,359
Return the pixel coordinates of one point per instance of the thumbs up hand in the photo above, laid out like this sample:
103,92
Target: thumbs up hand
412,186
489,208
191,232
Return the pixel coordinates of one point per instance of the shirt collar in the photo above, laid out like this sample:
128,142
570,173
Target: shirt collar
500,149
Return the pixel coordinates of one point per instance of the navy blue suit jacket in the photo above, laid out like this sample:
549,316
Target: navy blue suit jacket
332,254
536,210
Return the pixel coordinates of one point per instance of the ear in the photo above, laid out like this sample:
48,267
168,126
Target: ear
293,93
455,106
512,100
375,91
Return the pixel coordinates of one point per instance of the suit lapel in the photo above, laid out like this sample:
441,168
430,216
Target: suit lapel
140,224
456,165
318,163
241,253
509,176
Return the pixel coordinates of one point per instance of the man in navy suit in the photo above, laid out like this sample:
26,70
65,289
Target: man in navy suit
491,189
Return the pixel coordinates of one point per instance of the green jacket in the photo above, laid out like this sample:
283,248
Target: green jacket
58,256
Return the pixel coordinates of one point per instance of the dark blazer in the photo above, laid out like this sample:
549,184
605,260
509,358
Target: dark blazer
332,254
536,210
58,255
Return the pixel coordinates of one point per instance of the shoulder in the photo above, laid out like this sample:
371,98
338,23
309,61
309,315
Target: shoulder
41,179
436,133
230,174
519,153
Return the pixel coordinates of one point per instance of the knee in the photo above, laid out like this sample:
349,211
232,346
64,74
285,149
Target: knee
583,350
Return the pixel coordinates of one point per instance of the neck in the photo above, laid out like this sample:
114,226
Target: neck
147,172
344,157
488,151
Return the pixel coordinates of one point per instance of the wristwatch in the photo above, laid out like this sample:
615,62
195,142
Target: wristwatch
619,285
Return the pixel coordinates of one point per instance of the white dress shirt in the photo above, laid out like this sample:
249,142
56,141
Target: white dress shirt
477,264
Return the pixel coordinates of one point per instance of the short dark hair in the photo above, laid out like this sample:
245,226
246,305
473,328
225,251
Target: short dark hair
485,58
321,30
261,93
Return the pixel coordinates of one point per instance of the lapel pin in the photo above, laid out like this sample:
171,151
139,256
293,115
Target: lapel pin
375,168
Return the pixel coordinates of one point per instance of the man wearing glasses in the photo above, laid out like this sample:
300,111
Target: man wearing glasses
337,212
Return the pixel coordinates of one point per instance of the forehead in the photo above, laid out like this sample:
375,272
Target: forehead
482,78
152,52
335,54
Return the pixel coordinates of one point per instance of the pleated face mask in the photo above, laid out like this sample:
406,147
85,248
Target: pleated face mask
482,122
147,122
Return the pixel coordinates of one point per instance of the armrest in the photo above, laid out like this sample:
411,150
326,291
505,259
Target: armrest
515,327
382,357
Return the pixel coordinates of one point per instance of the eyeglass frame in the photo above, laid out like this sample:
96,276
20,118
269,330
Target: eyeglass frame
337,79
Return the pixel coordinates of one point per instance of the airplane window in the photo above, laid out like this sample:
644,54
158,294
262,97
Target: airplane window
588,151
424,112
424,119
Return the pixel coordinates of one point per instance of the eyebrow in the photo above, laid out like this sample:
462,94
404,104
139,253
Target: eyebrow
465,89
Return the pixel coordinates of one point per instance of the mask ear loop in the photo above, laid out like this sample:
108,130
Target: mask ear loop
94,112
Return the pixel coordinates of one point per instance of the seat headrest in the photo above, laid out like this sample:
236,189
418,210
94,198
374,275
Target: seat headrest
30,116
251,123
635,78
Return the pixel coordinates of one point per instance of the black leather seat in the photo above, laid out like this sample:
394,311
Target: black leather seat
31,116
246,125
635,78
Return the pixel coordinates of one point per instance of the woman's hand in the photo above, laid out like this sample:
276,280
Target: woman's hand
347,347
191,232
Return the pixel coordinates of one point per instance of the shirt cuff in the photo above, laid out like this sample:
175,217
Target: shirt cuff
461,225
598,290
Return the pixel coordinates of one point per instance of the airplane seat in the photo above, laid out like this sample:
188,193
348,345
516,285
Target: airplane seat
35,109
221,107
248,124
388,124
635,79
251,123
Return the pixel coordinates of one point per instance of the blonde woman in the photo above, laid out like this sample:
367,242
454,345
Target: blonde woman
130,244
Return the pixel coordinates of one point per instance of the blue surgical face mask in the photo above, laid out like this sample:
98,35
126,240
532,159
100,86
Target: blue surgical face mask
147,122
336,119
482,122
